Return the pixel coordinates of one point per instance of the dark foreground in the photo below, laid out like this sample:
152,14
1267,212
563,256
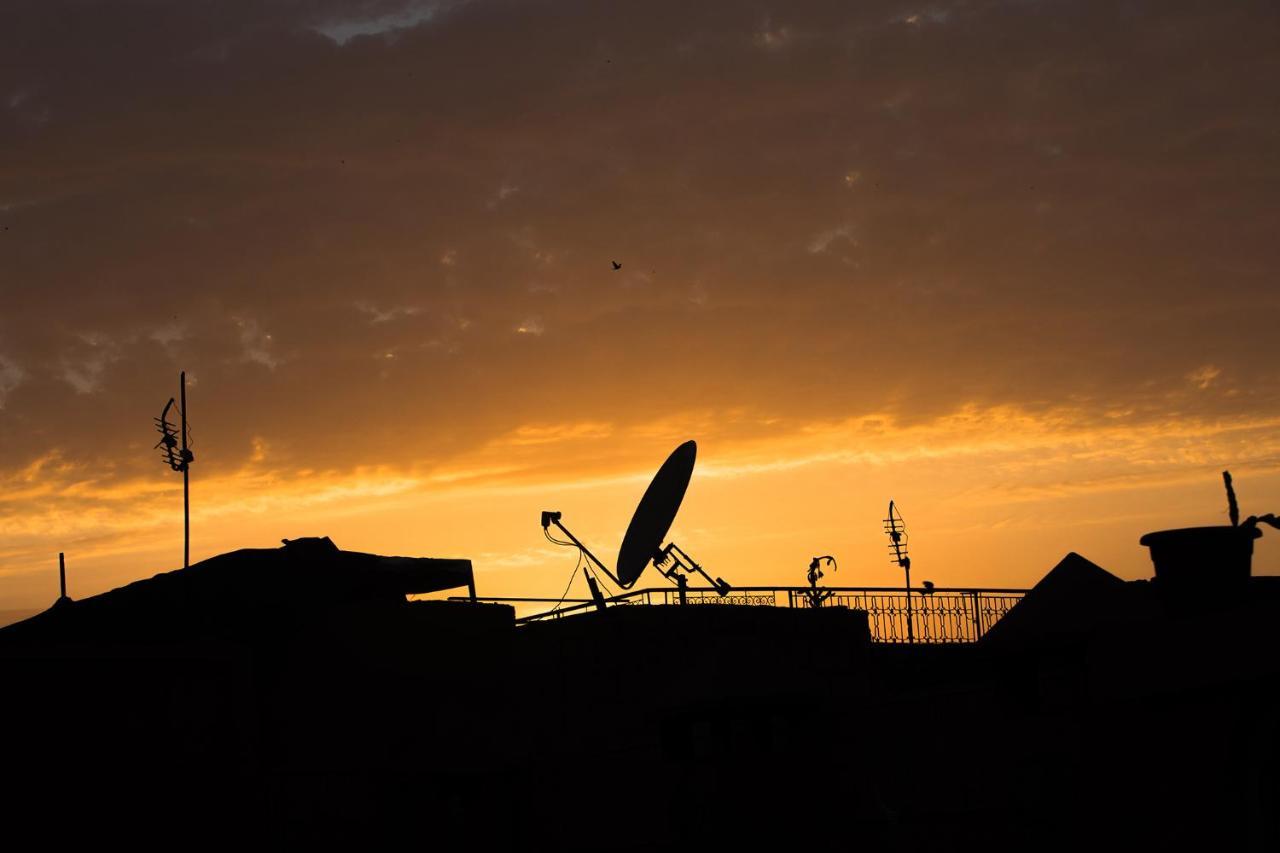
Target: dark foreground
284,697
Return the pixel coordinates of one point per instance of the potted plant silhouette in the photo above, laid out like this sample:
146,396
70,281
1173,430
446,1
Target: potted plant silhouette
813,595
1208,559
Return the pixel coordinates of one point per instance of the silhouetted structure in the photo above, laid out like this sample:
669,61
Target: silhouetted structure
814,597
642,543
293,694
896,527
179,458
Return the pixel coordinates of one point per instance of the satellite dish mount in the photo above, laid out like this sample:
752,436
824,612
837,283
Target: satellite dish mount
682,565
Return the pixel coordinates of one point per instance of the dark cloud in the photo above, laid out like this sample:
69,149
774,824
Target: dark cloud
339,218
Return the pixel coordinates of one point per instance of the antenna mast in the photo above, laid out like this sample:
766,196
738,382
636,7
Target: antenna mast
179,459
186,474
897,530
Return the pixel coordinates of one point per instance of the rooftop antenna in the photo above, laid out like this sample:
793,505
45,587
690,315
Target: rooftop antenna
642,543
179,457
897,530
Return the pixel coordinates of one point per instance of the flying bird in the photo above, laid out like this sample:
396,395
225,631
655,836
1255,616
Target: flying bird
616,266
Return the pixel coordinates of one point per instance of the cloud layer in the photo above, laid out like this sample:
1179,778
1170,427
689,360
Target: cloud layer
379,236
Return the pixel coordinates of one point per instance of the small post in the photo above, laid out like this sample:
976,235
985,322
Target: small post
906,567
62,575
596,595
1233,508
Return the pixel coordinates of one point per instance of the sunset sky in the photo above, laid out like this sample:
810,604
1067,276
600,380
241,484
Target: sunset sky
1012,264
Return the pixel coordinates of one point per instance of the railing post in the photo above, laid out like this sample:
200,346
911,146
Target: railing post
977,616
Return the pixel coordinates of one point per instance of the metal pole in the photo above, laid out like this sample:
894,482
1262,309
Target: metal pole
911,637
596,595
62,574
186,480
895,537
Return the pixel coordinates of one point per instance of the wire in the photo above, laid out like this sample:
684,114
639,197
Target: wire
581,553
552,539
569,585
576,566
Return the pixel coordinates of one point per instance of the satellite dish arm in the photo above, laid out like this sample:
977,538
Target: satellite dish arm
550,518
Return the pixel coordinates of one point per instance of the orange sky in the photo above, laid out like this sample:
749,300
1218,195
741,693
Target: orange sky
1011,264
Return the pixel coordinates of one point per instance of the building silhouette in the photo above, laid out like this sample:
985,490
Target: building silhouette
294,695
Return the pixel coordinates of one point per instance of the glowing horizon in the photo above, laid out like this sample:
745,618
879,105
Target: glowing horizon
756,511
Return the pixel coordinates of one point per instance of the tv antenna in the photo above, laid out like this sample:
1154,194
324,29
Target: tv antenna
173,444
642,543
897,530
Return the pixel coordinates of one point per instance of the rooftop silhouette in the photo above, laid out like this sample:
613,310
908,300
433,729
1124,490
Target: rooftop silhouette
295,694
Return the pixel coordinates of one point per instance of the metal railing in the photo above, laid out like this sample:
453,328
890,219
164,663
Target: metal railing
943,615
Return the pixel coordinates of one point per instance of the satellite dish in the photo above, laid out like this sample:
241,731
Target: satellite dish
649,526
655,513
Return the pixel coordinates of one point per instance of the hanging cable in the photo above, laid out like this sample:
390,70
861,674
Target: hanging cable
556,541
569,585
